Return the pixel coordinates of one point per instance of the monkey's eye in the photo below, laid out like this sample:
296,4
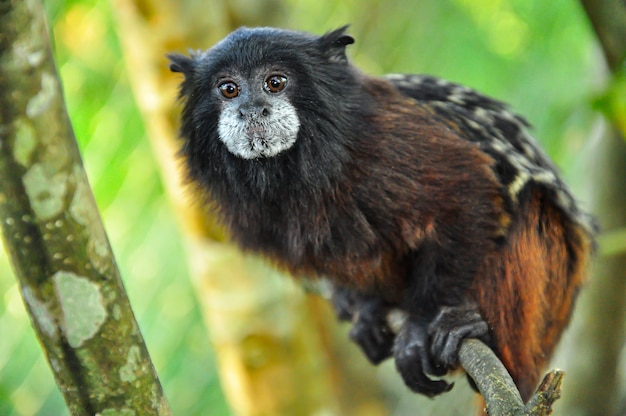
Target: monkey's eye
275,83
229,89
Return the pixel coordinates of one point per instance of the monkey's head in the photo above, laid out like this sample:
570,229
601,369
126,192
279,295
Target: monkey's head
271,121
256,93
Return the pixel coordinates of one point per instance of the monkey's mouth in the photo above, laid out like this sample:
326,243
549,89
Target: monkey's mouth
257,132
258,137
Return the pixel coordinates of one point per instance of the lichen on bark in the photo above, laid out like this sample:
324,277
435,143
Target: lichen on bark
55,239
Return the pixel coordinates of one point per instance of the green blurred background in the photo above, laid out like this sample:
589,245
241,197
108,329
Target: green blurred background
540,56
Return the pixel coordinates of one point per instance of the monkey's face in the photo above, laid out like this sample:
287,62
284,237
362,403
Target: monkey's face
256,116
264,93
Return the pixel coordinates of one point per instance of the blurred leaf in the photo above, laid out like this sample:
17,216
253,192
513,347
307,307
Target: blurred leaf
612,102
612,243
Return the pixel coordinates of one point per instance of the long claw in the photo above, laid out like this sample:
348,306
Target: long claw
413,360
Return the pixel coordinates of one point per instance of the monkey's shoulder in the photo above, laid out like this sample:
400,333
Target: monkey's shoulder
477,118
519,163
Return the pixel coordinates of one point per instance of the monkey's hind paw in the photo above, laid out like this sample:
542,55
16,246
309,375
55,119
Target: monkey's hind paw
450,327
371,332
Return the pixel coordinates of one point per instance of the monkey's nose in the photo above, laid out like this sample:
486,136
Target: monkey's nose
253,111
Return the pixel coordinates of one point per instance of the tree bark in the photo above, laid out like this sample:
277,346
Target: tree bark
52,232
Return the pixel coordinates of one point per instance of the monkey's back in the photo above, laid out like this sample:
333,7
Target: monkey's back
519,162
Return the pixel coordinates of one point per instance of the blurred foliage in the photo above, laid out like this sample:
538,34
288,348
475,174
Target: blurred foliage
539,56
612,102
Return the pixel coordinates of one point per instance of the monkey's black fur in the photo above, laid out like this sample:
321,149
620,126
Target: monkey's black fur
405,192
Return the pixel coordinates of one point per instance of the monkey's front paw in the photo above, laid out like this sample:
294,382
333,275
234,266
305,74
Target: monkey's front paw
450,327
413,360
371,332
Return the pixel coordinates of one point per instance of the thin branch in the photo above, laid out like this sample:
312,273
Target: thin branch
548,392
52,231
492,379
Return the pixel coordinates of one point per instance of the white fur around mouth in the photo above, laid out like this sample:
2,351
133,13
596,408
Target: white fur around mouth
267,137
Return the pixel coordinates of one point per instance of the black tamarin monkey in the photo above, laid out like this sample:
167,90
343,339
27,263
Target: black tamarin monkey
405,192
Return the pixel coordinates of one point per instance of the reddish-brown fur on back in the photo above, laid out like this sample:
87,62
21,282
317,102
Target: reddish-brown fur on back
527,290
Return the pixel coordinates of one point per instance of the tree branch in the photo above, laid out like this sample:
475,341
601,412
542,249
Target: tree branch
52,232
493,381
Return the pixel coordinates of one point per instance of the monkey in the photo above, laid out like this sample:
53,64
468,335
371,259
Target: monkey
403,191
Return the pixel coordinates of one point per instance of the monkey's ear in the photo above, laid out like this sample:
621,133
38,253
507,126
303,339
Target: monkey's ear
182,63
334,43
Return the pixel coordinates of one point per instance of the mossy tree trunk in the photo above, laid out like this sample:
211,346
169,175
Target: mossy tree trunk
275,347
52,231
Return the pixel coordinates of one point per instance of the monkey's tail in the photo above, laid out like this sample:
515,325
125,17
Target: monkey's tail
527,291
